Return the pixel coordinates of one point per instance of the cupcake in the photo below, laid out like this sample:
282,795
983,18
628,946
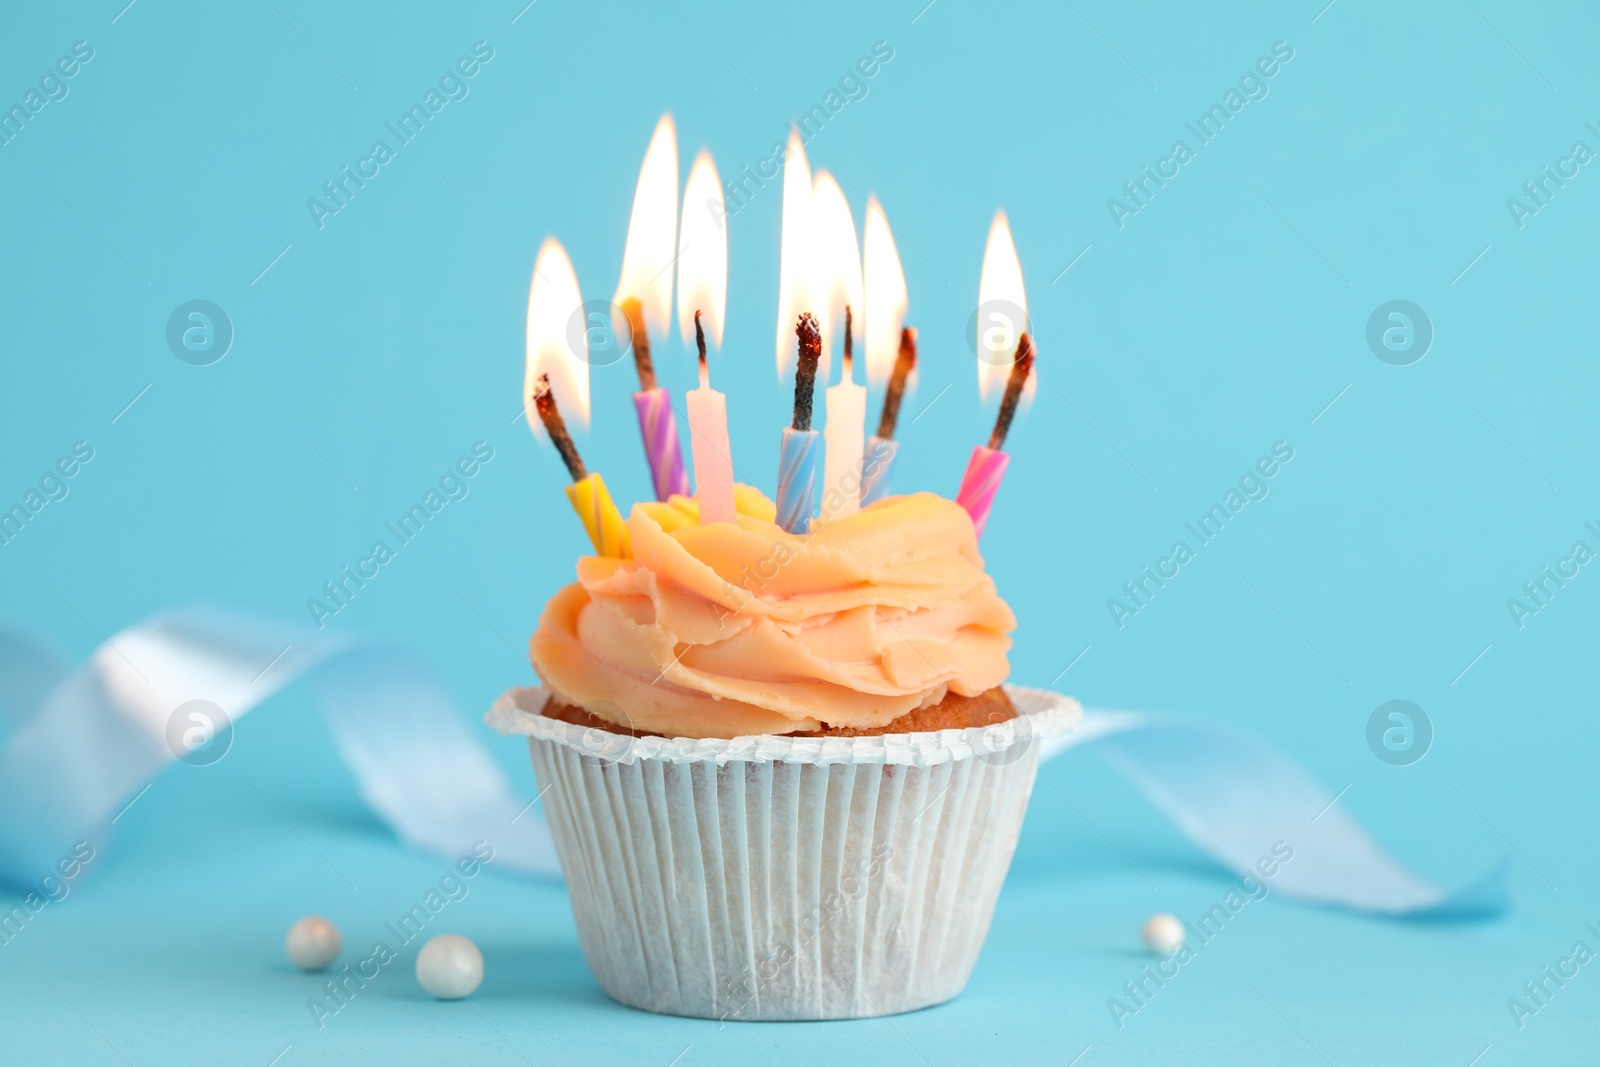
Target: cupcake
783,772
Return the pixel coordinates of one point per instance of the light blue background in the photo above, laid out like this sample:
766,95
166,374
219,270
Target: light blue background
1223,318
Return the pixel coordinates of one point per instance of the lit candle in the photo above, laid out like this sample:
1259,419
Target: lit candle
843,435
703,294
797,452
891,350
1003,322
553,300
644,296
658,426
836,286
587,494
708,428
987,467
881,446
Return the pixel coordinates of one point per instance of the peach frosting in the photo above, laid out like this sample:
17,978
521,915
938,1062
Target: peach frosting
739,628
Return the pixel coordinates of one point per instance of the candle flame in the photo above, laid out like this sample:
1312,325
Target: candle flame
1002,311
836,265
651,249
794,257
703,265
557,342
885,294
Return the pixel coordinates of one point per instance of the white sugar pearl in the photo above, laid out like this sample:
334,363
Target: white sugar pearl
1162,934
313,943
449,967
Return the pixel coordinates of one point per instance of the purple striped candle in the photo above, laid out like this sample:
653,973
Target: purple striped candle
659,428
981,482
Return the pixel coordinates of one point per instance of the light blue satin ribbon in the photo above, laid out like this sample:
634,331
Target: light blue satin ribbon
1236,797
78,744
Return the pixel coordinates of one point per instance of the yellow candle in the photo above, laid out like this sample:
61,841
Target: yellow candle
601,520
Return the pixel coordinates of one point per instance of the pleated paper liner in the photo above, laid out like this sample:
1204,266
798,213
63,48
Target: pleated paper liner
785,878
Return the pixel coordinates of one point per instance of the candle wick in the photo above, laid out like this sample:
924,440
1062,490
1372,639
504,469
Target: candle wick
849,345
1020,368
903,365
805,375
700,344
639,338
544,401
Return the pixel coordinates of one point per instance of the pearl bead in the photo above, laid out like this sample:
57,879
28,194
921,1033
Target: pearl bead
313,943
1162,934
449,967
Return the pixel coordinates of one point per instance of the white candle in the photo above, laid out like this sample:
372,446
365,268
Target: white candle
844,438
713,459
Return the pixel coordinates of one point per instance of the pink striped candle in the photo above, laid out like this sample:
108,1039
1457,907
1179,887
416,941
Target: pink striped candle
981,482
659,428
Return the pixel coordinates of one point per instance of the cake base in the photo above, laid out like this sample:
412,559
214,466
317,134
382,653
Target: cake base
954,712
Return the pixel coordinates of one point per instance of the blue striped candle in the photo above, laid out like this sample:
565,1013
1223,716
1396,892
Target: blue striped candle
875,464
797,479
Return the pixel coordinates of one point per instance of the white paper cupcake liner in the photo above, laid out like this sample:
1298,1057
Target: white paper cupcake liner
785,878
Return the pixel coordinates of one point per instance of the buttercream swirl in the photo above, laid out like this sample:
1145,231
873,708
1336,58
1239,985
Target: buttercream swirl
739,628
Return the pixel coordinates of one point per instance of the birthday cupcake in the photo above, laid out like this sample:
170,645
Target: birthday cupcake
784,776
779,758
